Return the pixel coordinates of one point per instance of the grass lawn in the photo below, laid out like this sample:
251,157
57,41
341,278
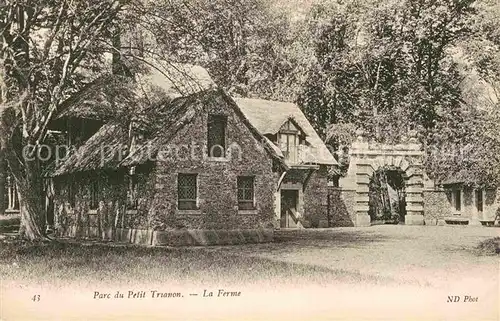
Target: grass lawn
65,263
378,262
424,256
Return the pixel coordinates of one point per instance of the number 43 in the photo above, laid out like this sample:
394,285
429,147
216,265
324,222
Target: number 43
36,298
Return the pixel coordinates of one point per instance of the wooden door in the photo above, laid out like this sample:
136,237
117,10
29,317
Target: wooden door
289,200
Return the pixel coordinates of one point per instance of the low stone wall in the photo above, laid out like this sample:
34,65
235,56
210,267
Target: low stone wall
134,236
186,237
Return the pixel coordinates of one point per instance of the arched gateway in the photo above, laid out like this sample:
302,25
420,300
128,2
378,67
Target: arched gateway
368,157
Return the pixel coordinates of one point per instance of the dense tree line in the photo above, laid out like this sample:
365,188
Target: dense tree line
390,68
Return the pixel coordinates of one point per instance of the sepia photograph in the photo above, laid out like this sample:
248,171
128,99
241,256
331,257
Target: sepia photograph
250,160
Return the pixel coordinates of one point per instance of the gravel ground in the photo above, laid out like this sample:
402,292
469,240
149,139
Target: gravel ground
430,256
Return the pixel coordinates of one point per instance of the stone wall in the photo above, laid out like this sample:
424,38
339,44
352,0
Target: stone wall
468,202
316,198
491,204
436,206
342,204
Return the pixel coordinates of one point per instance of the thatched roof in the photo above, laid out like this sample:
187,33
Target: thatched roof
95,100
111,144
154,80
182,113
268,117
109,148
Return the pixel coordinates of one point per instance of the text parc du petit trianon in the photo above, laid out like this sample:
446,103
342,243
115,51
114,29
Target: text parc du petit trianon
154,294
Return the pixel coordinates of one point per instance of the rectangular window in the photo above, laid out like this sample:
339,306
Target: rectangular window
245,192
457,200
479,200
94,195
132,199
187,191
217,125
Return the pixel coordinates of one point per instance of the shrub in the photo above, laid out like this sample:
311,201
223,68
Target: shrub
490,246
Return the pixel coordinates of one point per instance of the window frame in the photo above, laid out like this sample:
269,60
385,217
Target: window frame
242,202
289,136
482,192
213,118
182,201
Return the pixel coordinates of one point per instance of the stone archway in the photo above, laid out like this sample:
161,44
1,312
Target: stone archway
368,157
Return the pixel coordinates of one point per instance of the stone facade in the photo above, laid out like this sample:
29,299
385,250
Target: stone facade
436,206
217,178
316,199
342,205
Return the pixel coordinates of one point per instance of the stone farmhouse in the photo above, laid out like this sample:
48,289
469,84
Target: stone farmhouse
206,169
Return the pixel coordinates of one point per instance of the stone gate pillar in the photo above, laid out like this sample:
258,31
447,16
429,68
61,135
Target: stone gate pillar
414,181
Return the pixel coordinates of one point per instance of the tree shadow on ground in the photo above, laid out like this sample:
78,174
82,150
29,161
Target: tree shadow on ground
314,239
62,264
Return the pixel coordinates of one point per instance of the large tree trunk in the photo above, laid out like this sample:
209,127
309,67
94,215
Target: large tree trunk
32,218
31,196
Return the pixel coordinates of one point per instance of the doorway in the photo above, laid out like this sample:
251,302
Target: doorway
289,206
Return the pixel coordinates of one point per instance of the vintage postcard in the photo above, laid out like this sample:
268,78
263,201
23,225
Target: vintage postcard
250,160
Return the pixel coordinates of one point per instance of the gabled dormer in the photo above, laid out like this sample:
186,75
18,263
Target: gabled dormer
289,139
286,126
